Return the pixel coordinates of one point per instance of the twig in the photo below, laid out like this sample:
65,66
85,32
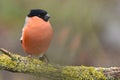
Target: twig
7,53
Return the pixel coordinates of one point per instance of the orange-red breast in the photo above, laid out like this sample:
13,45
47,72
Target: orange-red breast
37,33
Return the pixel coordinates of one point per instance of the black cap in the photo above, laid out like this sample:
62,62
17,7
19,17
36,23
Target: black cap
40,13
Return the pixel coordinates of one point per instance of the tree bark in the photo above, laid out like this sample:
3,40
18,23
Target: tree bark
19,64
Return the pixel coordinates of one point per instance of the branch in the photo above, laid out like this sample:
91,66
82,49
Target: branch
16,63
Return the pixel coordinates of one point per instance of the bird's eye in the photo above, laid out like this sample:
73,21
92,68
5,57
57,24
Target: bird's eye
39,15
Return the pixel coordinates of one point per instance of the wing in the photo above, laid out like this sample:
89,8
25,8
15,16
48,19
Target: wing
21,41
23,29
22,35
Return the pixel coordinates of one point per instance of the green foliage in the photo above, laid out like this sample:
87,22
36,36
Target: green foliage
75,14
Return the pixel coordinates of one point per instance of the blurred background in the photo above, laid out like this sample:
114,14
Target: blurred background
86,32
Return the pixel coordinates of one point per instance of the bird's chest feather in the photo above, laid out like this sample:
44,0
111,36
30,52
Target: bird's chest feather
37,33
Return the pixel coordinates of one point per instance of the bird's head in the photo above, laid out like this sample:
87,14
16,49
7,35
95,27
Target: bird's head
39,13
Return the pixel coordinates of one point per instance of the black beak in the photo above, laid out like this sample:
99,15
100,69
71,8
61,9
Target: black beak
46,17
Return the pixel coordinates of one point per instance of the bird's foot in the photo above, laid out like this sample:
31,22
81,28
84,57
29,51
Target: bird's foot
44,58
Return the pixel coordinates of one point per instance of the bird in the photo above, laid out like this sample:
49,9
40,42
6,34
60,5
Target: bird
37,34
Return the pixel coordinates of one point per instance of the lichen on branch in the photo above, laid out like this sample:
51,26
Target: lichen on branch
20,64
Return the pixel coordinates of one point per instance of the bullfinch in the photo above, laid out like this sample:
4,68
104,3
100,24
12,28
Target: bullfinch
37,33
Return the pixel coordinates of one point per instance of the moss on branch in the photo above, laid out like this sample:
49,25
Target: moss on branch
19,64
